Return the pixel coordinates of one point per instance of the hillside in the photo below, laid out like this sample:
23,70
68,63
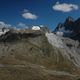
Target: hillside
29,55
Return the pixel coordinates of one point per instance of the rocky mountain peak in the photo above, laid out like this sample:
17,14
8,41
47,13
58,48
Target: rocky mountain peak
59,27
70,27
69,19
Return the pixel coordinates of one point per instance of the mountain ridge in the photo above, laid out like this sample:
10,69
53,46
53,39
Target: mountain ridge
39,55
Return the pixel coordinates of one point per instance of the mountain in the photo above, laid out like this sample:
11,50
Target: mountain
38,55
70,27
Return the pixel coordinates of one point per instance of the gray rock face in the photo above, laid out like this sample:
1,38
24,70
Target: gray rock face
70,47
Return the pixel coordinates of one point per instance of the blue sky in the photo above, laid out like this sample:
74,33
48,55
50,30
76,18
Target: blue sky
38,12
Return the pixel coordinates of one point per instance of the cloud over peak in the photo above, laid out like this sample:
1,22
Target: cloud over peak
65,7
28,15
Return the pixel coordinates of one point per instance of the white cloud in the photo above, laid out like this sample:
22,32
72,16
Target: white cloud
22,25
2,24
28,15
64,7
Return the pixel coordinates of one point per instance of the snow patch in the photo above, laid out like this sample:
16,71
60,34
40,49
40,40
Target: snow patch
35,28
68,53
54,40
3,32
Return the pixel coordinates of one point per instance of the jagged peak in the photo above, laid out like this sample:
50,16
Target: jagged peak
70,27
59,26
69,18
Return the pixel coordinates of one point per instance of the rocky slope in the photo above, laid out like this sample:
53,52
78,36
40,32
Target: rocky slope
70,47
34,55
71,31
38,55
